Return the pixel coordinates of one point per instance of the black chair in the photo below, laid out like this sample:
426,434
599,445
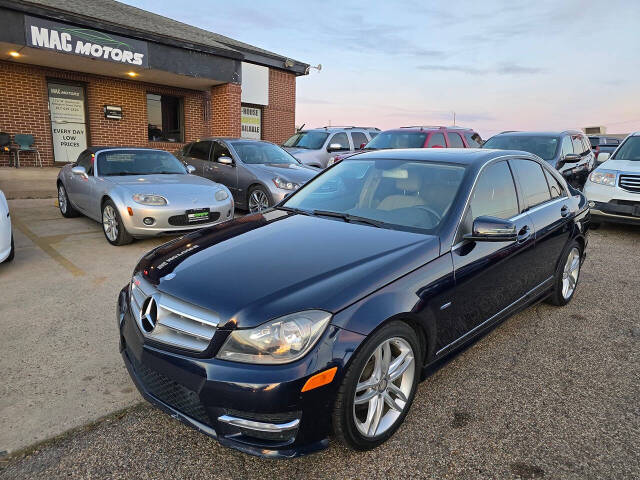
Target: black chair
5,146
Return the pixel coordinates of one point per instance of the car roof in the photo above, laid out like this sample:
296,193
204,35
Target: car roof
462,156
549,133
427,128
336,129
95,149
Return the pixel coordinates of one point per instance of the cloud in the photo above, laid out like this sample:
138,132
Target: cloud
504,68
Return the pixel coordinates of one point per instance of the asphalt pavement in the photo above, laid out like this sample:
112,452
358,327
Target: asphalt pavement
550,393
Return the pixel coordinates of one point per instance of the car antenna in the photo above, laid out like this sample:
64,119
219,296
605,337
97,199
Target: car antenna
300,127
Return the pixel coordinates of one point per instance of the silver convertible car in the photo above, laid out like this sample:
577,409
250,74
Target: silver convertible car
140,192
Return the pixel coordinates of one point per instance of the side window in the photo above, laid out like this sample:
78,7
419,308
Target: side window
577,145
220,150
472,140
185,149
586,146
554,185
495,193
455,141
358,139
567,146
200,150
532,181
373,134
436,140
341,139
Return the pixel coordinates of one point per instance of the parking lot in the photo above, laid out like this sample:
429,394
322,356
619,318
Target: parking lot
550,393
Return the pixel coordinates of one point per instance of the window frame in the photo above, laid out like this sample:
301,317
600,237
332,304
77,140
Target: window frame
181,117
210,142
451,134
330,141
221,144
431,135
356,146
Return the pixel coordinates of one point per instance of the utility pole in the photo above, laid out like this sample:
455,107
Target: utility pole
454,119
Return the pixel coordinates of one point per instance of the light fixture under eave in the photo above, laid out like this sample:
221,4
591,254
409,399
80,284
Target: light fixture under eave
14,54
132,74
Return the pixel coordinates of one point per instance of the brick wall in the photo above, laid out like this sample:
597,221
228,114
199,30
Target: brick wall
24,109
226,110
24,101
279,117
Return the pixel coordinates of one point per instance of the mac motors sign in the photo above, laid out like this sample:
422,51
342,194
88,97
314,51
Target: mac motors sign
86,42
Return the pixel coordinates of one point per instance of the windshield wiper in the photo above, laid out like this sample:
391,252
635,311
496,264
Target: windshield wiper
119,174
350,218
295,210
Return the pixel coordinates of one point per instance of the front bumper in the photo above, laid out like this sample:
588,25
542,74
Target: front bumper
258,409
172,219
613,204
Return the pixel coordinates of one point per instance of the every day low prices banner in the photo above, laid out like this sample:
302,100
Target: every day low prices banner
68,126
64,38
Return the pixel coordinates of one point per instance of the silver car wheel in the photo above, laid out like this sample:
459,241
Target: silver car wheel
110,223
62,199
570,273
258,201
384,387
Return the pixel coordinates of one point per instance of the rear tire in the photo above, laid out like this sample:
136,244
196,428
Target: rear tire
66,209
567,275
112,226
12,252
355,419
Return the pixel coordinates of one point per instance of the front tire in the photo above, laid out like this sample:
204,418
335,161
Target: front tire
259,199
378,388
567,275
112,226
66,209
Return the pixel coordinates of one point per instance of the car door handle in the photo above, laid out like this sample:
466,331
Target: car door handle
564,211
524,233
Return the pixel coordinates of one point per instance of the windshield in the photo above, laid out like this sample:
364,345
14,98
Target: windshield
400,194
258,152
309,140
629,150
540,145
387,140
138,162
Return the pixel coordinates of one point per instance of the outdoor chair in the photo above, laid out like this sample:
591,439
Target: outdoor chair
25,144
6,147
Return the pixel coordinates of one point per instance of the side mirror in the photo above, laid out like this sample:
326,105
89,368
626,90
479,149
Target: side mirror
334,147
79,171
225,160
603,157
569,158
492,229
191,168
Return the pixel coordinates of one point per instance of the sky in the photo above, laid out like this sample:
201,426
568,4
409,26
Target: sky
516,65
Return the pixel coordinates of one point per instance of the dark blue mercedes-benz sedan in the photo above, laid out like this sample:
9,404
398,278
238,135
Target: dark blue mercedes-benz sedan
322,314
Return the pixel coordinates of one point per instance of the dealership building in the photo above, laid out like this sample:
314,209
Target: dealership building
98,72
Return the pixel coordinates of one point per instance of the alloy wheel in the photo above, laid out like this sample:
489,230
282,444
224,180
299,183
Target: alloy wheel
384,386
570,273
258,201
110,223
62,199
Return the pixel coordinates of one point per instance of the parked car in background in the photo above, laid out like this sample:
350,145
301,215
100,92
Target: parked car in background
7,249
613,188
139,192
258,173
314,147
569,151
420,137
601,144
264,335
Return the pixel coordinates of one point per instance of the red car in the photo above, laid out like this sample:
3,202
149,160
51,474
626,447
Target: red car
418,137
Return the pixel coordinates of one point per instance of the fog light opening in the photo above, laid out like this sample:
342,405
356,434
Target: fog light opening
149,220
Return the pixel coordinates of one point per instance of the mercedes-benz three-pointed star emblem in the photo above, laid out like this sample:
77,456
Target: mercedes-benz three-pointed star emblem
149,314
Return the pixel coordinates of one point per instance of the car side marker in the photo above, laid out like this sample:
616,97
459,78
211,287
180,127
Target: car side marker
320,379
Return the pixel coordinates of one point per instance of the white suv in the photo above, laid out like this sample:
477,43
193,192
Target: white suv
613,189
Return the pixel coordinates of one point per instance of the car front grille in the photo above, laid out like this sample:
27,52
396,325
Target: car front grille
169,320
629,182
183,221
172,393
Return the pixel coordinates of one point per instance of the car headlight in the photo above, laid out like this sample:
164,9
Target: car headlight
282,340
221,195
145,199
285,184
603,177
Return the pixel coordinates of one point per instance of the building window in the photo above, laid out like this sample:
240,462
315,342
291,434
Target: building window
165,118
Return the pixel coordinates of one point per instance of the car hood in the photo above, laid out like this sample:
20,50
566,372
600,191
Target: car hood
621,165
289,171
304,153
169,186
259,267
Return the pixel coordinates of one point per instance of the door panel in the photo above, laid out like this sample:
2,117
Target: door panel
227,175
198,156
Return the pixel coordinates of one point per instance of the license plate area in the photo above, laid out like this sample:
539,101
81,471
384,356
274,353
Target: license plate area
198,215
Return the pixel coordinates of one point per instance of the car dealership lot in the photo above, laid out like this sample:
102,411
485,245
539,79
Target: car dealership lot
550,392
